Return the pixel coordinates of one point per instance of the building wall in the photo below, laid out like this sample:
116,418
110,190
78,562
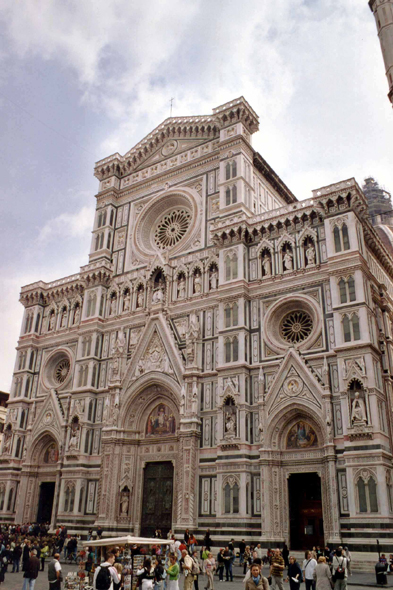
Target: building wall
265,332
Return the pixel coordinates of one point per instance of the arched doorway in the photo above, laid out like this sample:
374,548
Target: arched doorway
39,504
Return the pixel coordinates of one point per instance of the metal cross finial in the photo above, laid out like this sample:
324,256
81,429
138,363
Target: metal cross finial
171,101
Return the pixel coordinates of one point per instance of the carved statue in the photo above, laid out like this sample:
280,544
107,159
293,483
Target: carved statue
183,399
261,381
63,320
75,436
51,322
139,298
77,314
181,288
230,424
288,261
120,343
127,301
158,295
197,283
213,279
310,255
7,440
358,414
113,305
193,326
105,416
195,398
267,265
124,503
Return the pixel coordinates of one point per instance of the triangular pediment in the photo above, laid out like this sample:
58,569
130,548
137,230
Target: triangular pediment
50,416
294,384
169,149
156,351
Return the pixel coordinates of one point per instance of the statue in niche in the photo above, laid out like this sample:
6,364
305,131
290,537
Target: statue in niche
139,298
51,322
124,502
230,424
181,287
127,301
267,265
159,292
288,260
261,382
75,435
183,399
197,282
105,416
116,409
213,278
120,343
193,326
77,314
63,320
7,440
358,413
310,255
113,305
192,337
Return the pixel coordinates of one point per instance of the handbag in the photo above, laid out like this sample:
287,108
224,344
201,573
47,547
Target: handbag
270,580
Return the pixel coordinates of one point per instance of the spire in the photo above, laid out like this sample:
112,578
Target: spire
383,13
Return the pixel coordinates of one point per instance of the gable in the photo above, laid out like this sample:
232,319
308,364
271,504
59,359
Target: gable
50,417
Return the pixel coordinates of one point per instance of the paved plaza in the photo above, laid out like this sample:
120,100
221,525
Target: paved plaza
357,581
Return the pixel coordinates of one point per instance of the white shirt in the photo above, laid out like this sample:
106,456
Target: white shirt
57,569
113,572
309,568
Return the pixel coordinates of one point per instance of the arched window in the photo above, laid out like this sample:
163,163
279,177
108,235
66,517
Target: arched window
228,269
94,376
101,240
81,497
104,218
227,171
37,322
27,387
2,498
22,419
10,500
227,499
346,328
228,351
228,316
97,242
227,196
66,499
108,241
17,449
234,194
72,499
90,413
345,235
343,291
351,289
355,327
112,216
231,498
234,169
31,361
337,239
235,499
367,494
235,314
235,349
234,266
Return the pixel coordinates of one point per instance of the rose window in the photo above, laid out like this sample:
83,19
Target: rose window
171,228
296,326
61,371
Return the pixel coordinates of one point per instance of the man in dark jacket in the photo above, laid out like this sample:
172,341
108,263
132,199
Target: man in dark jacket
54,573
26,555
31,571
16,555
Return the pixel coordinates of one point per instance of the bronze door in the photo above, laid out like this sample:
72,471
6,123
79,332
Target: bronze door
157,498
305,511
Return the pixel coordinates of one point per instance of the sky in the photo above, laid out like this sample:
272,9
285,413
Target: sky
80,80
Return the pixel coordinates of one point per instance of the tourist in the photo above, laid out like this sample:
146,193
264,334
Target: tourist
44,554
242,548
119,568
207,542
187,567
99,532
220,565
192,543
277,570
228,556
16,555
309,565
340,570
106,574
347,554
196,568
187,537
247,559
210,568
285,554
146,575
322,575
159,574
256,580
54,573
31,571
173,573
25,554
294,577
258,551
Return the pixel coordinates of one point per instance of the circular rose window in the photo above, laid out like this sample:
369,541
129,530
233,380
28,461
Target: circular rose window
171,228
296,326
61,371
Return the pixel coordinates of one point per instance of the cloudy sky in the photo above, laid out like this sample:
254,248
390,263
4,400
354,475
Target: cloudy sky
82,79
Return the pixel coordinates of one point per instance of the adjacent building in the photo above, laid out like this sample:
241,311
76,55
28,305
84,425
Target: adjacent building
223,361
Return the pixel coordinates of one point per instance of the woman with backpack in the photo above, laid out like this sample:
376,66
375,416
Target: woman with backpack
146,575
196,568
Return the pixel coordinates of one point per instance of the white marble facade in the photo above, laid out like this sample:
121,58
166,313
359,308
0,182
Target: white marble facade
219,325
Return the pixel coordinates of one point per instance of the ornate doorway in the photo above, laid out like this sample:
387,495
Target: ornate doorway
305,511
45,502
157,498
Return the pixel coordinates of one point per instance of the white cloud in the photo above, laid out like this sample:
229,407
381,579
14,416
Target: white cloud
67,225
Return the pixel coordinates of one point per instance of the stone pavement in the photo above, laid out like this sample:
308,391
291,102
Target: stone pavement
358,581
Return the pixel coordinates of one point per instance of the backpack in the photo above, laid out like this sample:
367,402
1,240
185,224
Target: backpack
339,574
104,578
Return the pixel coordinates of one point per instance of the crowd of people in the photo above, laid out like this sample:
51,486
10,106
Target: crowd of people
27,546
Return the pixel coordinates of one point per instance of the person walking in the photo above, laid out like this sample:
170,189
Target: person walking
105,574
31,571
16,555
242,548
294,577
196,569
220,565
210,568
44,554
322,575
340,570
146,575
173,573
54,573
277,570
285,554
25,554
256,581
309,565
187,567
228,555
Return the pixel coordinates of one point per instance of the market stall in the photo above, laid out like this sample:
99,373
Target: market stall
131,561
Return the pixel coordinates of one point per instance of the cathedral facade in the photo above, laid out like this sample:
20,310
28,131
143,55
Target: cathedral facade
223,361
